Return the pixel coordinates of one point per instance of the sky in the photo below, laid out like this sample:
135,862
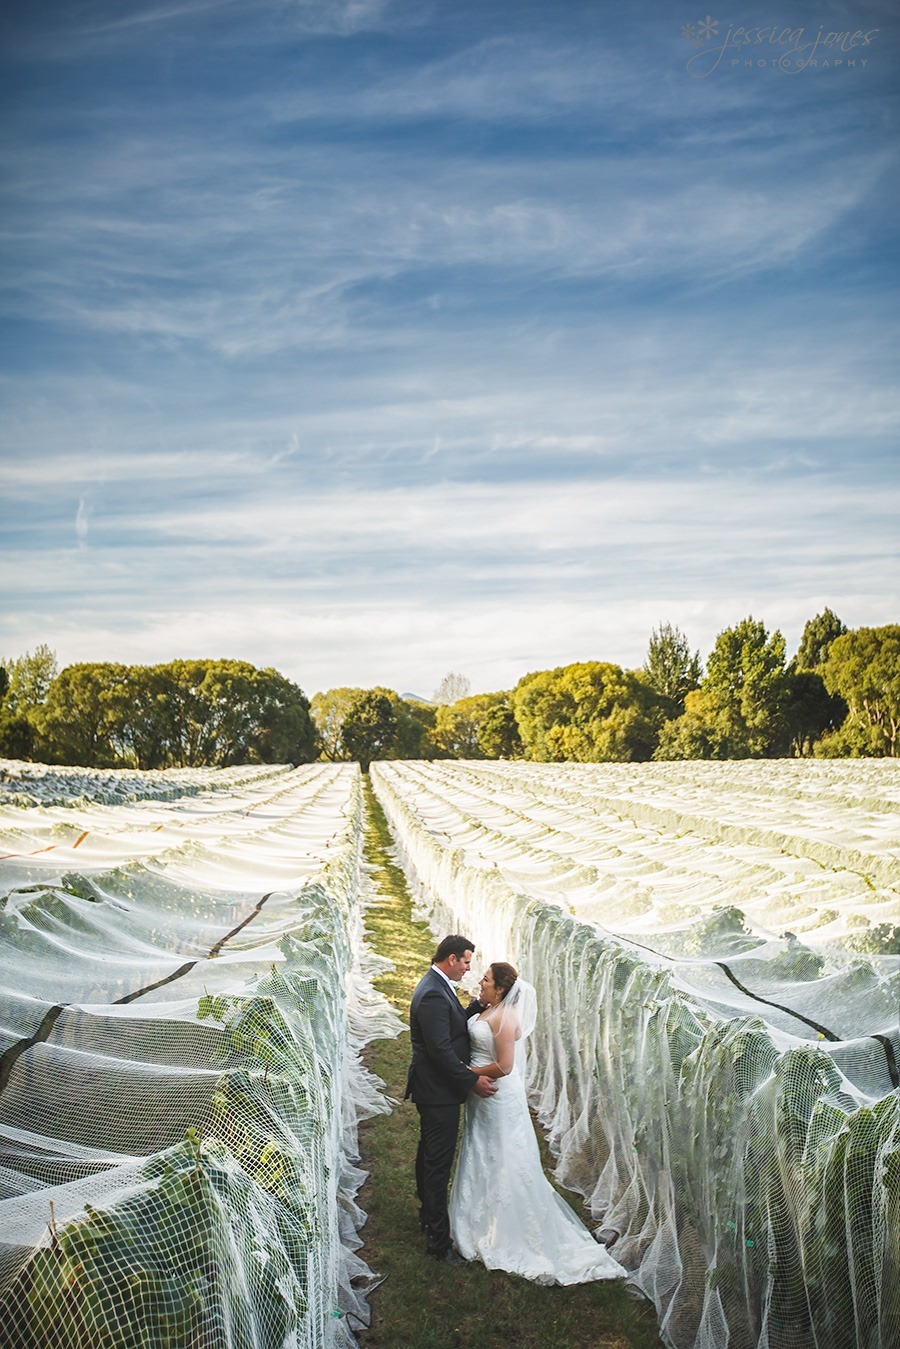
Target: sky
373,339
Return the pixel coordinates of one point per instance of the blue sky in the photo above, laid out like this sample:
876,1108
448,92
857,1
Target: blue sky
371,339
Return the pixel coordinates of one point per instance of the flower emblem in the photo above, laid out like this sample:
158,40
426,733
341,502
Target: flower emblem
701,31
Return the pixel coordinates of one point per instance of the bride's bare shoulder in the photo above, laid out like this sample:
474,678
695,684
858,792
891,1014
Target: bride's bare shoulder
503,1018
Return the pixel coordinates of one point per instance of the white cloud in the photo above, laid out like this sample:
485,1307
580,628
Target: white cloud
476,351
88,30
668,397
509,519
398,585
82,523
408,644
182,238
156,14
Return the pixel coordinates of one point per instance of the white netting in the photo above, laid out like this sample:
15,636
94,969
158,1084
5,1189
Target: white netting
185,995
724,1093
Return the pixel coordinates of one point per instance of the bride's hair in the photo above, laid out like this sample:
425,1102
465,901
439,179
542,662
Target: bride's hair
503,975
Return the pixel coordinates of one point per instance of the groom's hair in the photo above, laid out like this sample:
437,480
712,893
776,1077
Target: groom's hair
454,945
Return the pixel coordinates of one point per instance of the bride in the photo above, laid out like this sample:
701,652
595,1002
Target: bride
503,1210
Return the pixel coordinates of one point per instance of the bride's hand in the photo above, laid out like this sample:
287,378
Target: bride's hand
484,1087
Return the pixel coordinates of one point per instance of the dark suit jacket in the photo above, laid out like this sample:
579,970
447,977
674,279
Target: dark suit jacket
438,1028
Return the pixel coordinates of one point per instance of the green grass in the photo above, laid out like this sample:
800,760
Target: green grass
422,1304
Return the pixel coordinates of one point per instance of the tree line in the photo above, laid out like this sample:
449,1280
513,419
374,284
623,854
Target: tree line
838,696
187,713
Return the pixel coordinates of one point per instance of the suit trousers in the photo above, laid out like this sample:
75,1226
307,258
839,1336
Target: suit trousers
438,1129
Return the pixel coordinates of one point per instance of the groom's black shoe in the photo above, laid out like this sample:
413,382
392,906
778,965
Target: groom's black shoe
448,1257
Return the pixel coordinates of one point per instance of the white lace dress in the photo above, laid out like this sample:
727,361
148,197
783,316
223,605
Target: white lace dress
503,1210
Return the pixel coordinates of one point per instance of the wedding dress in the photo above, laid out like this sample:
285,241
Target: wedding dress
503,1210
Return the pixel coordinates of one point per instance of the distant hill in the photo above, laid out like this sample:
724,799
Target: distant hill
415,698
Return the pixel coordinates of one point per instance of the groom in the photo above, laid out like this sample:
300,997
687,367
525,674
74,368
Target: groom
438,1082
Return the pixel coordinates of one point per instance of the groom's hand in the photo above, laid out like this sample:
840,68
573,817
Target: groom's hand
484,1086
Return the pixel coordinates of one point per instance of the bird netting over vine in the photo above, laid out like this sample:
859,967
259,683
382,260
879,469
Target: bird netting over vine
715,952
185,993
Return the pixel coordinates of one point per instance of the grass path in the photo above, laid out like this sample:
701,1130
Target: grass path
422,1304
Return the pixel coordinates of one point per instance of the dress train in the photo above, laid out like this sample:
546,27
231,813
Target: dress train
503,1210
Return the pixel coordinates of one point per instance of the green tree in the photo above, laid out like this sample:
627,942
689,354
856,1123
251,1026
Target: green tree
186,713
818,635
413,721
863,668
853,739
136,699
739,710
230,712
196,722
328,711
16,732
412,732
368,728
17,736
255,715
29,679
810,711
703,731
458,725
671,669
75,724
586,713
284,730
498,734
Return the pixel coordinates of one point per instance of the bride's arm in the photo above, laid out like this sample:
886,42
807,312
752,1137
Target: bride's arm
504,1047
